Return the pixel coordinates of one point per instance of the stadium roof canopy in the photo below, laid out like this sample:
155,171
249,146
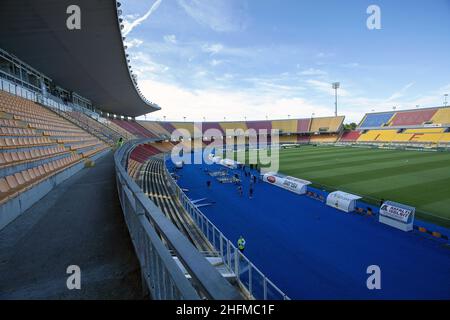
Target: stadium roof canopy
90,61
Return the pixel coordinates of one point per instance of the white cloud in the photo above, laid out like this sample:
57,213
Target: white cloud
214,104
219,15
130,25
400,93
215,62
144,66
313,72
351,65
324,55
170,38
133,43
213,48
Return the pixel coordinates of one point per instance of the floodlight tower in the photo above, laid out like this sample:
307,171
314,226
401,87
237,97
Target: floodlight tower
335,86
445,99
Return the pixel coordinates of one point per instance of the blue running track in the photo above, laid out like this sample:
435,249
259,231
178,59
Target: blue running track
312,251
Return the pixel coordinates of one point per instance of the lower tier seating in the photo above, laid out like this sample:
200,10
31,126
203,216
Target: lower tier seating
12,185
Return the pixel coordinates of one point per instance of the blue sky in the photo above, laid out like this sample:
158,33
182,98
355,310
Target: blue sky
253,59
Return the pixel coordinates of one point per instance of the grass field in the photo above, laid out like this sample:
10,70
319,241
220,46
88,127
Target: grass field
417,178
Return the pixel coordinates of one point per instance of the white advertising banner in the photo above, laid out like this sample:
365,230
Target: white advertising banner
289,183
395,212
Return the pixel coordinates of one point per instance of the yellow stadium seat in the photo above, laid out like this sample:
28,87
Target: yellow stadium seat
332,124
442,116
233,125
425,130
285,125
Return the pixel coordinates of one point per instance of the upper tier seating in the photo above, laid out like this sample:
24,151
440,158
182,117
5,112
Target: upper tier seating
412,118
155,128
326,124
134,128
259,125
376,120
101,131
233,125
184,127
285,126
120,130
442,116
213,129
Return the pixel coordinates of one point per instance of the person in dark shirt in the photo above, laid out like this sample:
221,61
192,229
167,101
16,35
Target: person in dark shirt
240,190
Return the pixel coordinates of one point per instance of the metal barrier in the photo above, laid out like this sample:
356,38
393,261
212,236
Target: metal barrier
247,274
153,235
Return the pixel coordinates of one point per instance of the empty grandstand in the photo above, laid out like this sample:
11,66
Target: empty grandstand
427,127
36,144
86,184
319,130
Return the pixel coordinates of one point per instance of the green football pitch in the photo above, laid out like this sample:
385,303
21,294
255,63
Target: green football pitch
417,178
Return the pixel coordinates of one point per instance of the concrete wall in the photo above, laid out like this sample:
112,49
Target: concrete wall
18,205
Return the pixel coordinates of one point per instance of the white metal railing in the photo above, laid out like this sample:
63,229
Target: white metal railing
17,90
247,274
155,239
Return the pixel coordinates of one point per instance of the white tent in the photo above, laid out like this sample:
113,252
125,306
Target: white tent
342,201
229,163
179,164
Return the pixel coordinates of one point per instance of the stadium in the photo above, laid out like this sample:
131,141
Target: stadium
159,209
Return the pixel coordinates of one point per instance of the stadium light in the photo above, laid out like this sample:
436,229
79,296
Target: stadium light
445,99
335,86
